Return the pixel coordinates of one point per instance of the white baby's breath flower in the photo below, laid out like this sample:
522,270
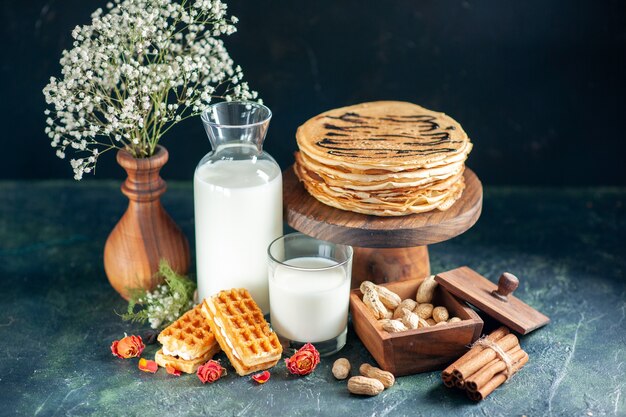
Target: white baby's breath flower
139,68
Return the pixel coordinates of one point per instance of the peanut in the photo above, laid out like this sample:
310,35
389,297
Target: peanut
440,314
370,371
408,304
393,326
341,368
424,323
378,309
410,319
430,322
390,299
366,285
454,320
426,290
441,322
425,310
363,385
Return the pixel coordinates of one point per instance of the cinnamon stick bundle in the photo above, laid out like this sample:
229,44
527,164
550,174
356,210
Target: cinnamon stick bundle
488,364
475,350
484,375
495,382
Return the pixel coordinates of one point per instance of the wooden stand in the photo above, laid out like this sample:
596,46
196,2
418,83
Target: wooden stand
389,264
386,249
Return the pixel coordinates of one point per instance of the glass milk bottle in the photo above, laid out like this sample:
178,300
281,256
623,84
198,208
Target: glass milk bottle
237,202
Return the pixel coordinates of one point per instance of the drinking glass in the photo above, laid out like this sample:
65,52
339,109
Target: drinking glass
309,285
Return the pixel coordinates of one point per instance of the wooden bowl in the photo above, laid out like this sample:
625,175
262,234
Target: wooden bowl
418,350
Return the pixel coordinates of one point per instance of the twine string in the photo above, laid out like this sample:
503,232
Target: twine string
504,357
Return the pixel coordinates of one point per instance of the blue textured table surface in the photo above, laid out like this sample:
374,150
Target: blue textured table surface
57,314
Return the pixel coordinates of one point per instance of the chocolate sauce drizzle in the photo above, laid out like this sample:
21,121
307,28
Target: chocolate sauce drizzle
426,123
345,128
429,134
350,117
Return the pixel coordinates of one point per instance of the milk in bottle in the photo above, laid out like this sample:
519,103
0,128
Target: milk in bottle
237,202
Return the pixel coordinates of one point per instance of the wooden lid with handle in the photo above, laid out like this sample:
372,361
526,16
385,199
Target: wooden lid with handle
497,301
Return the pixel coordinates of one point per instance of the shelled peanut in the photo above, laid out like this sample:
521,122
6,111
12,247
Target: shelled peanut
372,381
407,304
373,302
341,368
393,326
440,314
390,299
362,385
370,371
425,310
397,315
426,290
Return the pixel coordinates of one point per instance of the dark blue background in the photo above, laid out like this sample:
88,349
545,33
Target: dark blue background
538,85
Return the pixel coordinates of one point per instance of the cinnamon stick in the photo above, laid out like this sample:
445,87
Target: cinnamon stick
481,370
473,352
479,379
497,359
496,381
485,356
448,380
473,395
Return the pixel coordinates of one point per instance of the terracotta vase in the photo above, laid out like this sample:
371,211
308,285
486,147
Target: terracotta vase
146,233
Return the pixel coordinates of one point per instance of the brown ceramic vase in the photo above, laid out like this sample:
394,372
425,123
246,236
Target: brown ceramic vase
146,233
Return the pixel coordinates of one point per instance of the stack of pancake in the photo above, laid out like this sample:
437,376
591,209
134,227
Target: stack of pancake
384,158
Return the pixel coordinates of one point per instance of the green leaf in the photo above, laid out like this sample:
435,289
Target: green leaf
166,303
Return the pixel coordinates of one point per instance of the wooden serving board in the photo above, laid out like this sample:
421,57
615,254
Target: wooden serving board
304,213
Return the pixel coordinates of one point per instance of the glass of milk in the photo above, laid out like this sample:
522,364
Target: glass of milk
309,283
237,202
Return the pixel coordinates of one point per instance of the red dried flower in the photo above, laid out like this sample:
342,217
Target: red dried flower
304,361
261,378
171,370
128,347
210,371
148,365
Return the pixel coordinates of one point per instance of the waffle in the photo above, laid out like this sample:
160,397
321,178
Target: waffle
187,366
188,340
241,331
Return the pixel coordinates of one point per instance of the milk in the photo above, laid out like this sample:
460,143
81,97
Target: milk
309,305
238,213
